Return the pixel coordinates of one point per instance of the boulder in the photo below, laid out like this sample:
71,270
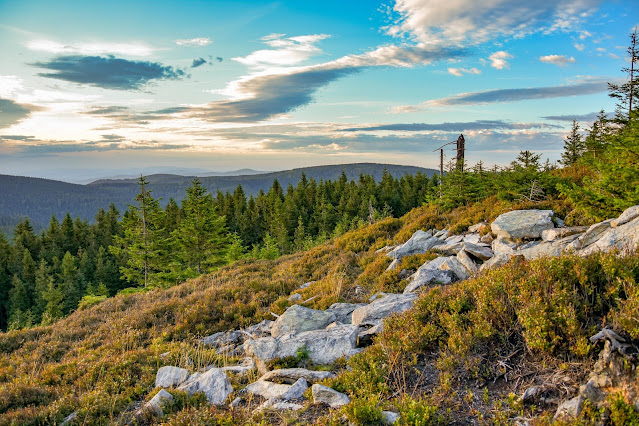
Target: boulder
390,417
569,409
480,252
306,285
449,249
487,239
365,338
504,246
623,237
374,312
326,395
591,235
477,227
629,214
291,375
496,261
343,311
559,233
419,243
443,234
467,262
269,390
452,264
324,346
546,248
248,364
522,224
454,239
298,319
169,376
213,383
471,238
295,297
394,265
427,276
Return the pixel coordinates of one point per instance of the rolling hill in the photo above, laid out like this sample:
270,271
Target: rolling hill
39,199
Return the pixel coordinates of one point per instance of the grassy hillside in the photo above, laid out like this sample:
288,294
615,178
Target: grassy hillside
39,199
456,356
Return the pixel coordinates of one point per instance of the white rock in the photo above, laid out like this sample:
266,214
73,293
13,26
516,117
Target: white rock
455,266
295,297
214,384
570,409
266,389
374,312
454,239
394,265
222,338
419,243
248,364
449,249
496,261
324,346
428,276
623,237
547,248
504,246
467,262
559,233
298,319
343,311
520,224
169,376
326,395
471,238
477,227
306,285
156,404
390,417
291,375
629,214
278,404
480,252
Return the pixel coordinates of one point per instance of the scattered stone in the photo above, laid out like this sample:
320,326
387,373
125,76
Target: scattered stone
467,262
546,248
625,217
156,404
165,355
278,404
291,375
496,261
343,311
449,249
477,227
390,417
471,238
306,285
443,234
591,235
326,395
520,224
214,384
248,364
394,265
480,252
487,239
454,239
385,249
570,409
169,376
298,319
236,402
452,264
419,243
623,237
504,246
260,329
365,338
266,389
374,312
376,296
323,346
71,417
296,297
427,276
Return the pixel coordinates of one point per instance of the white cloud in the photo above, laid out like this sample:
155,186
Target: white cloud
580,46
476,21
9,85
559,60
499,59
460,71
285,51
584,35
96,48
194,42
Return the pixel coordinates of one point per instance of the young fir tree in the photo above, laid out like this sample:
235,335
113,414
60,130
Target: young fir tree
19,304
5,280
201,237
141,245
574,147
70,283
53,296
598,135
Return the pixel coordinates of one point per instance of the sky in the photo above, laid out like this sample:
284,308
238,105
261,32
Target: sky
95,89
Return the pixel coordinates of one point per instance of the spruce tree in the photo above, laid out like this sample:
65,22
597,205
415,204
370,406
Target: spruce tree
53,296
574,147
627,94
70,283
141,244
19,303
201,237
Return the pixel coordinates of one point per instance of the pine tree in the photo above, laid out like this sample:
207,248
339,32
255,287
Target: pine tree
42,278
19,303
5,280
141,244
627,94
53,296
573,146
598,135
70,283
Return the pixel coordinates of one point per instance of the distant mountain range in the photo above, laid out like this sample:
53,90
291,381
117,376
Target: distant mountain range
39,199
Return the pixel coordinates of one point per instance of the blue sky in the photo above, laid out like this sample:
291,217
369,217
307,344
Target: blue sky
92,89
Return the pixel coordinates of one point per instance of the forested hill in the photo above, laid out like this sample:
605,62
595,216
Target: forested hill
38,199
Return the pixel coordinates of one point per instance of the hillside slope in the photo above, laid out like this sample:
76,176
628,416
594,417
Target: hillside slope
38,199
454,358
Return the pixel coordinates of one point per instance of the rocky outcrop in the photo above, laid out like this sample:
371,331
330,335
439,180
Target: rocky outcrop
213,383
427,277
323,346
621,237
155,406
324,394
419,243
374,312
522,224
298,319
343,311
270,390
169,376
